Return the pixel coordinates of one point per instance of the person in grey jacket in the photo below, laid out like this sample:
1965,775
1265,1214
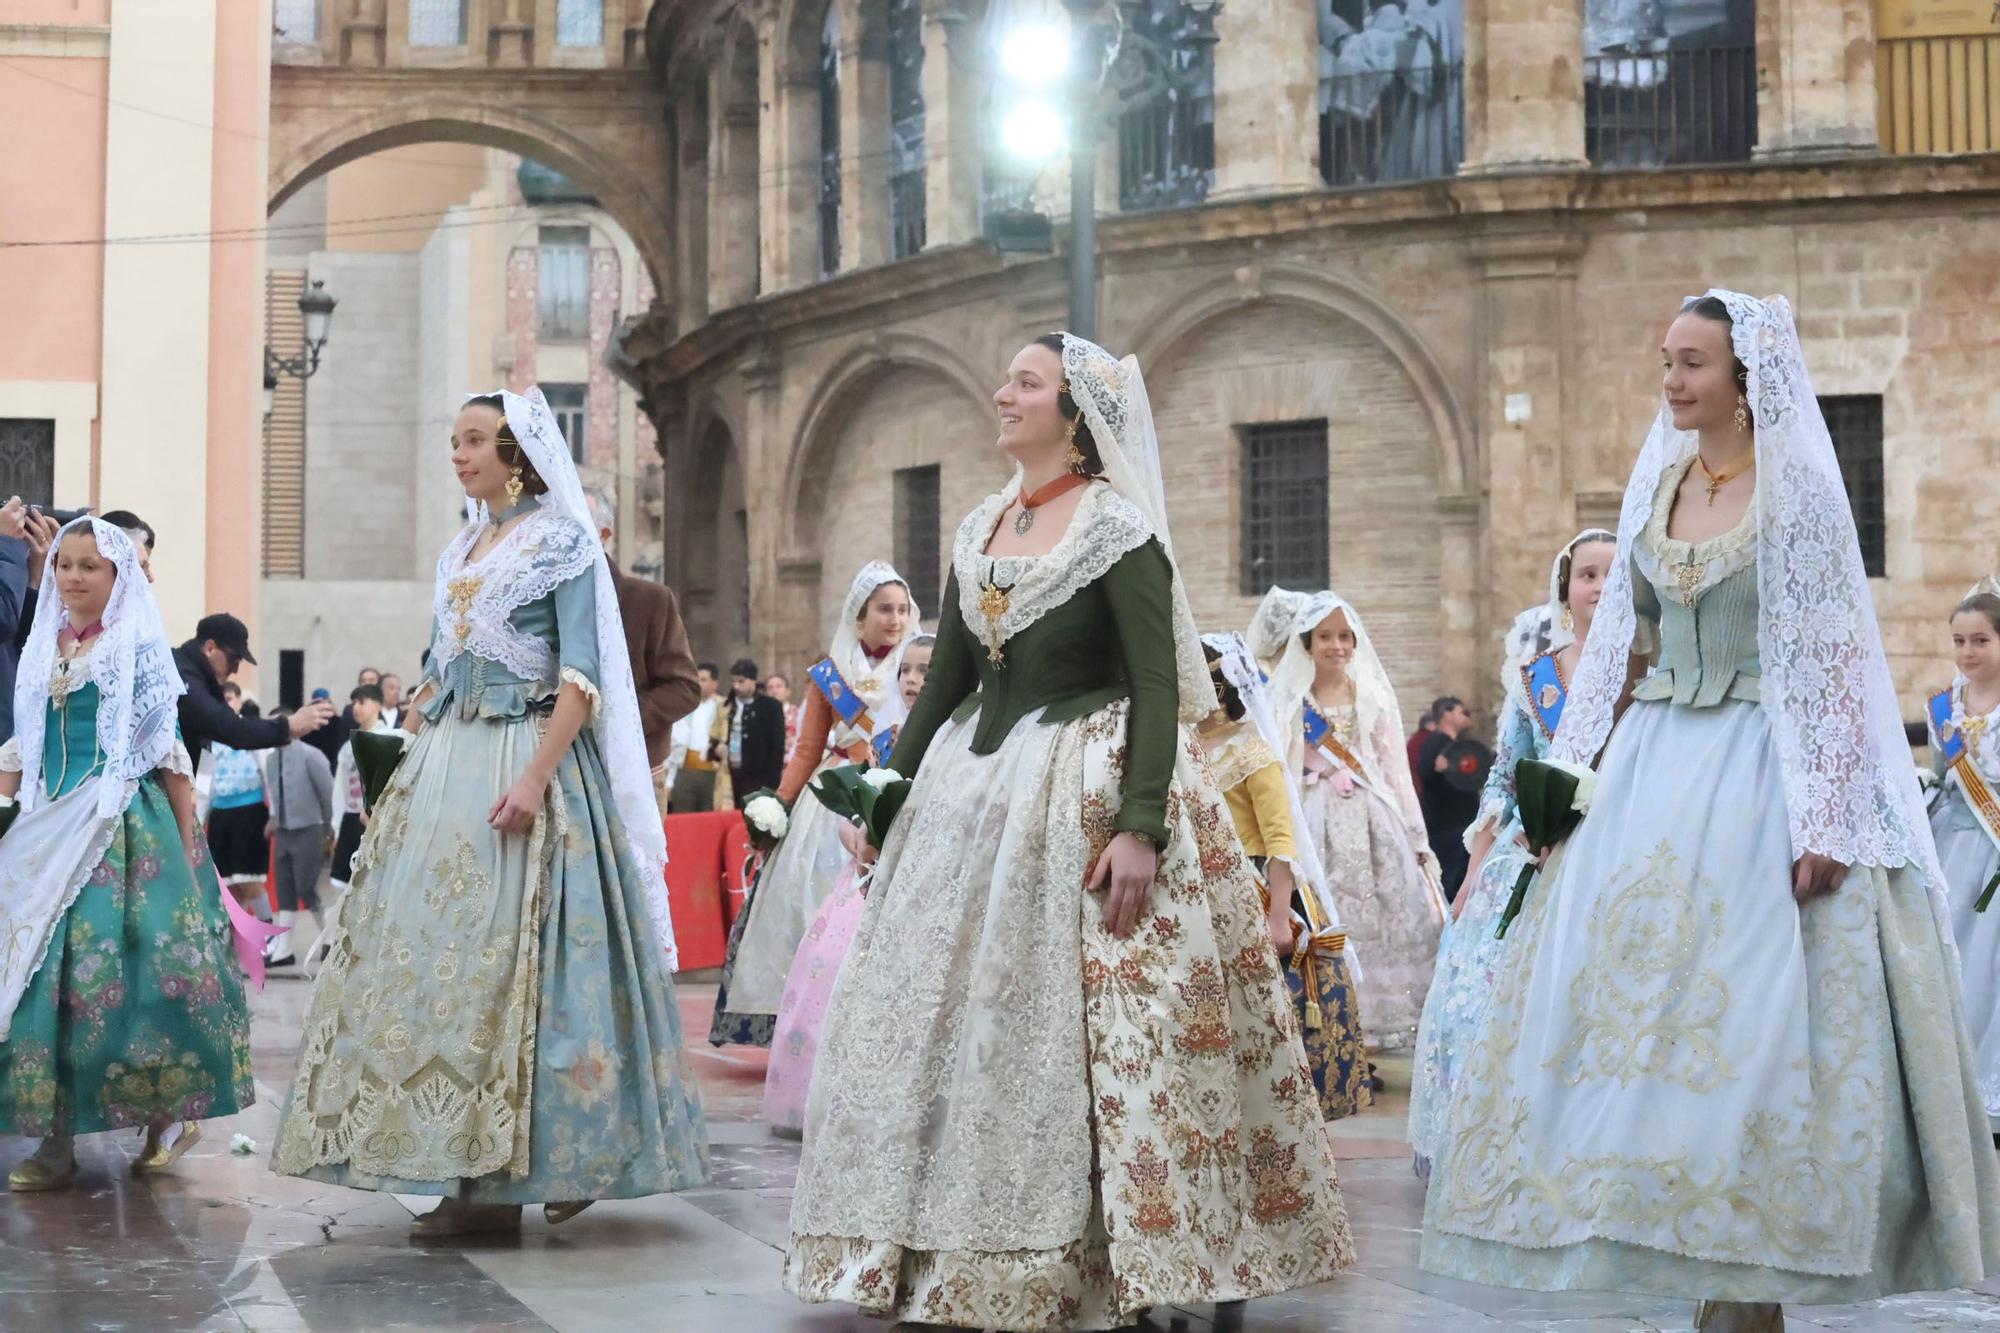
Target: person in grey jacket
298,782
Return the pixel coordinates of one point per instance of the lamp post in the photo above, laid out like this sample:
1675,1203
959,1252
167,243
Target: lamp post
1115,55
316,311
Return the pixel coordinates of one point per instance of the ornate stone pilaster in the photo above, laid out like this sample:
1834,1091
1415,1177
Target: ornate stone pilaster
788,159
864,137
1816,78
1266,99
734,179
952,145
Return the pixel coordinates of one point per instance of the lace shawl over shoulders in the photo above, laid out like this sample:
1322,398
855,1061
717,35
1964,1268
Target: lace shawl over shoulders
1105,528
1659,556
473,600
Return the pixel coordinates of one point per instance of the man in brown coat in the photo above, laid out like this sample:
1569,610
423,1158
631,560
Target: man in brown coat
662,665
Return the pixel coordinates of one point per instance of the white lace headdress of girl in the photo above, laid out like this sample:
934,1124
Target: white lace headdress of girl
893,711
1374,697
620,736
139,688
1540,629
1111,395
1240,669
1271,625
846,651
1850,790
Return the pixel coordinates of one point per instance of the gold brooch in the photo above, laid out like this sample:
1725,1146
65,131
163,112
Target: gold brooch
993,606
1550,694
1688,578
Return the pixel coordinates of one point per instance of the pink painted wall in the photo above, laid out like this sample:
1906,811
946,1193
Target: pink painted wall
52,179
235,325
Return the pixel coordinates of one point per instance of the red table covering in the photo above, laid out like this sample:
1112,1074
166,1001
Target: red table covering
705,884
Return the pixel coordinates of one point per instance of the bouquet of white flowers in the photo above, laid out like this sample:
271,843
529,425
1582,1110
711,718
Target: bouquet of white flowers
768,819
869,797
1552,799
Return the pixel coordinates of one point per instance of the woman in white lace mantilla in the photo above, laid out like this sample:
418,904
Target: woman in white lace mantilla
495,1019
1727,1057
851,694
1965,820
120,1006
1361,810
1060,1079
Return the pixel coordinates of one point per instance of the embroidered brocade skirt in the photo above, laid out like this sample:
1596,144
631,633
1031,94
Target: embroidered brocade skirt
1468,971
1017,1120
1688,1085
1970,860
1390,912
1333,1046
797,878
493,1009
136,1013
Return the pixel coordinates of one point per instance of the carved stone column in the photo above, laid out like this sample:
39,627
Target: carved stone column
788,159
864,136
1523,85
1266,99
952,146
1816,78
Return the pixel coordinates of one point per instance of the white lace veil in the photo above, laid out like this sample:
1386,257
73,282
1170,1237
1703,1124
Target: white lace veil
620,736
1850,789
1540,628
894,712
846,651
1374,696
1111,395
1240,669
139,688
1272,623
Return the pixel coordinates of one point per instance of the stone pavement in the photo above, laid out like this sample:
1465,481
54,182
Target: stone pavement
221,1243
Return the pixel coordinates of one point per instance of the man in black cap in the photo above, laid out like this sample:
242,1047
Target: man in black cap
221,644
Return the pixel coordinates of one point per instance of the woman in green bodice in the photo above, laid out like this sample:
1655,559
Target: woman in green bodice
120,1006
1061,978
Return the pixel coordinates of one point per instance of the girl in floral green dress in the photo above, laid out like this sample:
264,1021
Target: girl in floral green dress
119,1004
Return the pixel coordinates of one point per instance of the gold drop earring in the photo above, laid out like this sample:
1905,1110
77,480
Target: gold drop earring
514,488
1742,407
1073,457
1569,621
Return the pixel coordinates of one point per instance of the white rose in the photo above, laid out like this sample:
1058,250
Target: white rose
6,802
768,814
1586,784
242,1145
1926,779
881,778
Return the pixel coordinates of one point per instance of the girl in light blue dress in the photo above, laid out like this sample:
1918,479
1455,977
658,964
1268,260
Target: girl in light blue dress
1543,649
495,1019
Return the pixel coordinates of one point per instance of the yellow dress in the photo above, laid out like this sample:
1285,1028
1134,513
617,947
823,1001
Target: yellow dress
1252,779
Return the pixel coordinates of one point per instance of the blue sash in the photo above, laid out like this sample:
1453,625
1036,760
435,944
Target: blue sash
1546,691
846,704
1950,740
884,745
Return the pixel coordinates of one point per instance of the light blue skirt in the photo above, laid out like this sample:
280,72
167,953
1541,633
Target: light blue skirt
1970,859
494,1009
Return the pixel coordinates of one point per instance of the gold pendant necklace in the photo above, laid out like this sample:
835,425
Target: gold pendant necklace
1717,480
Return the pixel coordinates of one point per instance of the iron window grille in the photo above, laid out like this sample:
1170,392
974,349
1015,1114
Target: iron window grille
1854,421
917,521
1690,105
1166,144
1285,529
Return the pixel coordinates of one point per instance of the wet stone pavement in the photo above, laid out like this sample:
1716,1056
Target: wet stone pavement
222,1244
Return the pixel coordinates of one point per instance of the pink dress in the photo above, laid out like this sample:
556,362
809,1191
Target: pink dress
802,1011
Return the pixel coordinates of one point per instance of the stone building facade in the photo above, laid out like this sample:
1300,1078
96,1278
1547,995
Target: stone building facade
1477,329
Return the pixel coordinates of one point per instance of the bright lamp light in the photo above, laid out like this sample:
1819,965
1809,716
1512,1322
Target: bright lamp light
1033,131
1035,54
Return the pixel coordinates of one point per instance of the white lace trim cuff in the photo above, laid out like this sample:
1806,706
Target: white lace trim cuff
10,756
177,760
571,676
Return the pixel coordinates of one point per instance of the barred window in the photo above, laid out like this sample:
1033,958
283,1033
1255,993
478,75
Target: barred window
829,143
565,282
28,458
1285,529
1855,423
569,404
917,520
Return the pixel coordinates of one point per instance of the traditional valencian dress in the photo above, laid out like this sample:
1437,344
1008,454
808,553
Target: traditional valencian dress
1965,821
1245,764
1365,824
809,983
120,1002
1017,1119
499,1009
853,691
1469,959
1689,1084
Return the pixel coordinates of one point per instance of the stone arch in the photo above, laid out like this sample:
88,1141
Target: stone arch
1272,354
1450,424
619,184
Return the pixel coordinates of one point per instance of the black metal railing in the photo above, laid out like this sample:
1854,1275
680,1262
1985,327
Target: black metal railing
1938,94
1166,152
1688,106
1379,128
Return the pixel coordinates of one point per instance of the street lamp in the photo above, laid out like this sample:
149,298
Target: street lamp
1108,58
316,313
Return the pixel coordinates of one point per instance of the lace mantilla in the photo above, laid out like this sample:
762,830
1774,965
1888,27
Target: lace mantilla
1235,753
1850,790
139,686
474,599
1105,528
